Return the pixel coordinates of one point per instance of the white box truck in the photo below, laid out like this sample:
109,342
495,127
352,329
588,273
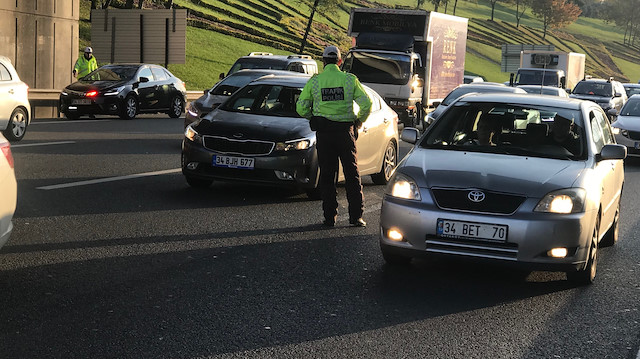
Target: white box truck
550,68
412,58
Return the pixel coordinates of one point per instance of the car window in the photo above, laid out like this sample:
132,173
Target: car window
296,67
158,74
596,132
593,88
526,130
5,75
267,100
145,72
607,135
375,102
631,108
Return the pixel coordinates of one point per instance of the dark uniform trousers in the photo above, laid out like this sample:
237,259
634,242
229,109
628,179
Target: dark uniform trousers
337,140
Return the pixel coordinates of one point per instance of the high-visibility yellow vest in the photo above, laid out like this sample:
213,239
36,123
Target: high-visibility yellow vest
83,66
331,95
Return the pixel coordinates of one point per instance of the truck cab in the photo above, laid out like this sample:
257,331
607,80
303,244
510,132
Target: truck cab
394,75
542,77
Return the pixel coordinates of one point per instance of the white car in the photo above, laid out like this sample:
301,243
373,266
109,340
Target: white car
8,191
15,111
627,125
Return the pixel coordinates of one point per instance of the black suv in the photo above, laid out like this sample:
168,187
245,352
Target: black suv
606,93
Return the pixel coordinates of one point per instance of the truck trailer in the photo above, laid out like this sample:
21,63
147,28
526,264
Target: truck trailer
550,68
412,58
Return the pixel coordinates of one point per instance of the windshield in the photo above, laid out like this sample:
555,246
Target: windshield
631,108
267,100
593,88
258,63
119,73
500,128
394,69
232,83
632,90
532,77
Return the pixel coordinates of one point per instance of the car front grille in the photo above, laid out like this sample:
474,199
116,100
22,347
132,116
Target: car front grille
238,147
473,248
494,202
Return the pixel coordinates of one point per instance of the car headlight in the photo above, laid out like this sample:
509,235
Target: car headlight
63,93
114,92
192,134
193,110
569,200
616,130
300,144
403,186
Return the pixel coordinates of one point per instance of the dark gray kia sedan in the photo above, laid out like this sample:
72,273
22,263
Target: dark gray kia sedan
530,180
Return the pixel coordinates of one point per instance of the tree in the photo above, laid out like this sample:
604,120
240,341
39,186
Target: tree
103,4
455,4
521,7
623,14
323,7
420,4
555,13
493,7
437,3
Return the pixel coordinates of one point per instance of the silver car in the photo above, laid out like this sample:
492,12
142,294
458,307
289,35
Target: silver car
530,180
15,111
544,90
626,128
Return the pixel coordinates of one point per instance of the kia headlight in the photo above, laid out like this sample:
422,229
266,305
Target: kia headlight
114,92
403,186
569,200
296,145
192,134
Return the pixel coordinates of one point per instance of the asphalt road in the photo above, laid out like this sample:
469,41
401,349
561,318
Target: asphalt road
114,256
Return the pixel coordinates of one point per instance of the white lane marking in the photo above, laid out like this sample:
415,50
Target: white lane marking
42,144
66,121
109,179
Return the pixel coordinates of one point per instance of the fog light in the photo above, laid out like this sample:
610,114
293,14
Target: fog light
283,175
557,253
192,165
394,235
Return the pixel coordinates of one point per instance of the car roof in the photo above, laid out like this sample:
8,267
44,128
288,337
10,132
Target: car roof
631,85
287,58
262,71
538,86
293,79
525,99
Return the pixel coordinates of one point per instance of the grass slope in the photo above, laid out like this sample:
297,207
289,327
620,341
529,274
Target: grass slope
220,31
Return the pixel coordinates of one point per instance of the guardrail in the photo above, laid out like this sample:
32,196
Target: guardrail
51,98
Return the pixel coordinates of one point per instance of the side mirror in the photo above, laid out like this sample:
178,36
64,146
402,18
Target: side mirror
612,152
206,91
618,94
221,76
143,79
612,112
568,91
511,78
436,104
410,135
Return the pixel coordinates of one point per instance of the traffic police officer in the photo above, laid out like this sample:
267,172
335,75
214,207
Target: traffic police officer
85,64
327,101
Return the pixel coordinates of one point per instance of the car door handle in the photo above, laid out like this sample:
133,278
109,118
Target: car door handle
386,120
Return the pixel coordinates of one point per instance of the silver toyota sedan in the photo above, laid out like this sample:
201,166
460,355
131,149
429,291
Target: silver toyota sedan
530,180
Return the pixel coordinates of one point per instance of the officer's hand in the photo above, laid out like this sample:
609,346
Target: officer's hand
358,124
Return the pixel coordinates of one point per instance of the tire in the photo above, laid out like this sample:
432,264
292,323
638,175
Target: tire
71,116
611,237
587,275
198,182
17,126
176,107
129,108
394,259
389,162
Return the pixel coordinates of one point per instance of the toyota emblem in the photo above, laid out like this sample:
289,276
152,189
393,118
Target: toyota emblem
238,135
476,196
